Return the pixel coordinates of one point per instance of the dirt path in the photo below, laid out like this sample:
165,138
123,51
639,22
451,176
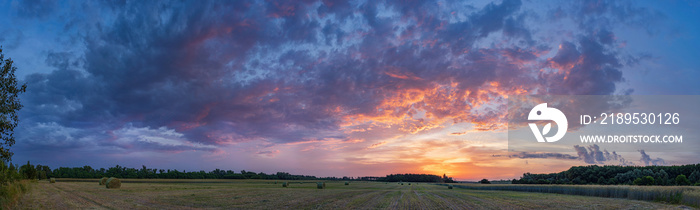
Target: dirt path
74,196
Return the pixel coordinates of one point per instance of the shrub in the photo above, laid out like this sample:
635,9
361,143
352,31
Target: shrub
52,180
682,180
347,183
646,180
10,193
103,181
320,185
284,184
113,183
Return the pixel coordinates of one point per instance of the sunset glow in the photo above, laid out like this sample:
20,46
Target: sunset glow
324,88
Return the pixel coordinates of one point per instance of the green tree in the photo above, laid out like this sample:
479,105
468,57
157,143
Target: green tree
9,105
694,177
485,181
28,171
601,180
682,180
645,180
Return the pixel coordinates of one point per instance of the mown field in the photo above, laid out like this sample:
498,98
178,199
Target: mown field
265,194
688,195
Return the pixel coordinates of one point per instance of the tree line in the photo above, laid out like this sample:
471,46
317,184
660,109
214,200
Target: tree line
39,171
416,178
618,175
153,173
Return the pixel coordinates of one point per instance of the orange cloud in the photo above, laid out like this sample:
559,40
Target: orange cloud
377,145
397,73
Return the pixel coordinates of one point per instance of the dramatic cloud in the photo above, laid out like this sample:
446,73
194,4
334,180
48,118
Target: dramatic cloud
590,155
341,81
646,159
593,155
527,155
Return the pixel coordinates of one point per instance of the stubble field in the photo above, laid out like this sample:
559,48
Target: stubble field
246,194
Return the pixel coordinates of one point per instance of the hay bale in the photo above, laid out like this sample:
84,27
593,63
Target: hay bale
409,183
52,180
285,184
449,186
113,183
103,181
320,185
347,183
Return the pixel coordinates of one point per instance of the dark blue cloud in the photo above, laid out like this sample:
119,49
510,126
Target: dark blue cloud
216,73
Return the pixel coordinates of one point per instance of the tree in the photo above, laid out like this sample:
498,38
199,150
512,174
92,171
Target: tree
601,180
645,180
682,180
9,105
485,181
694,177
28,171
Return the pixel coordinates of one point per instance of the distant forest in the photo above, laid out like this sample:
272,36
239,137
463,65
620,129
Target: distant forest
618,175
43,172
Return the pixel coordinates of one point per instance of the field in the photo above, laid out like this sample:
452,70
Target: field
688,195
265,194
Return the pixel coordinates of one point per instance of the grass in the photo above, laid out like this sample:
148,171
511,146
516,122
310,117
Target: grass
12,192
265,194
670,194
691,198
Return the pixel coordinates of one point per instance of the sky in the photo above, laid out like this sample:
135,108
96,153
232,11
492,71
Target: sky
329,88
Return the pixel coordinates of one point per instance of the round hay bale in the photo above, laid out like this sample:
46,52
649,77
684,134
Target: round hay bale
284,184
347,183
409,183
449,186
52,180
320,185
113,183
103,181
